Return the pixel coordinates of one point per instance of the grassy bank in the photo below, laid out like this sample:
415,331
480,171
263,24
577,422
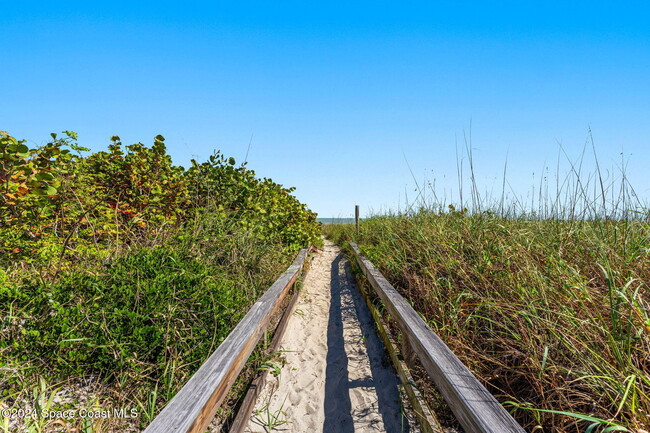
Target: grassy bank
120,273
551,314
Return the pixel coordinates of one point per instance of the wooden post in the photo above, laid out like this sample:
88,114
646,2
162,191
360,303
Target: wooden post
356,218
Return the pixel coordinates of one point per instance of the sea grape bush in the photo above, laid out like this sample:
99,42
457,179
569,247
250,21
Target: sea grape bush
121,266
140,186
57,203
260,205
29,180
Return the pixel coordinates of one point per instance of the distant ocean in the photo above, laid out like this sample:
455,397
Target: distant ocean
336,220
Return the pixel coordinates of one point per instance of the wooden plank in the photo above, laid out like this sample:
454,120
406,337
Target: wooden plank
194,406
426,418
475,408
246,408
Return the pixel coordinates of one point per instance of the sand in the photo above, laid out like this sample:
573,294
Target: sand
335,375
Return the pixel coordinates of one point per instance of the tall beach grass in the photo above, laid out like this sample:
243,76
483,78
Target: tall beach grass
546,301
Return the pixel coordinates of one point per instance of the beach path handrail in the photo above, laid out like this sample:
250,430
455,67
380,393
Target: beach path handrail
474,407
195,405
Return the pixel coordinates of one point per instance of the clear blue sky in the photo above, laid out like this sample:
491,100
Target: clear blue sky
335,95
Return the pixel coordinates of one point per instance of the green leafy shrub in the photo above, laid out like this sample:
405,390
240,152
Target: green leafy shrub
142,310
59,205
121,266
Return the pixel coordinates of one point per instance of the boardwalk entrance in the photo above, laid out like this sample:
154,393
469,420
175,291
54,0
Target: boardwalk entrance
333,375
336,376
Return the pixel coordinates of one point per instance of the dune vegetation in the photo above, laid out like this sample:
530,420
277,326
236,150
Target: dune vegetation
548,307
121,272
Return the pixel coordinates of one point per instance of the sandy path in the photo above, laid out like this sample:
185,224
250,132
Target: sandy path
336,377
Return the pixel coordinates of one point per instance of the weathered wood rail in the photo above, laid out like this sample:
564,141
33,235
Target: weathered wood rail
474,407
195,405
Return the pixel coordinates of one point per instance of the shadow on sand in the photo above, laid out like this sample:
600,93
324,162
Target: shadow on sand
348,305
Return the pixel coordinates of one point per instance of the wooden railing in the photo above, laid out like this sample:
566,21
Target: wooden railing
474,407
194,406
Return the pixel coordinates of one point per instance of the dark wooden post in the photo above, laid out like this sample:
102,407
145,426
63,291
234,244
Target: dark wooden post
356,218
